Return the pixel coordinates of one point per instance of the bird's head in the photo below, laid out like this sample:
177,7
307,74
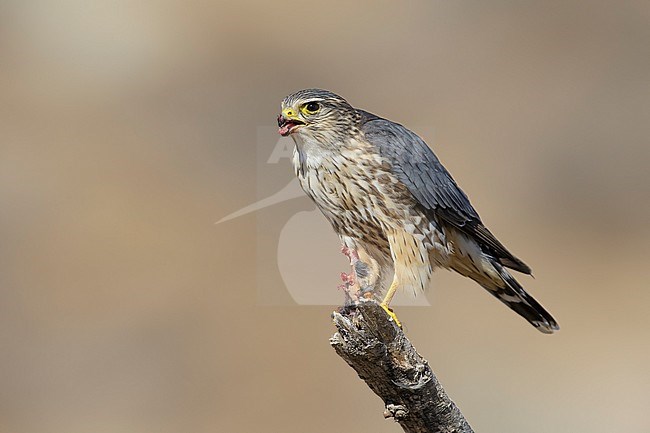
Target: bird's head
317,114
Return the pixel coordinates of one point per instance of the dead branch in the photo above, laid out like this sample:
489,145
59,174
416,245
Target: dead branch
377,349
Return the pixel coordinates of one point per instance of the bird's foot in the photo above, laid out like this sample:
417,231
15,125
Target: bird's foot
390,313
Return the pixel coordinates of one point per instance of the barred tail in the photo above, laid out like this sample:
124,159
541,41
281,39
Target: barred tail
511,293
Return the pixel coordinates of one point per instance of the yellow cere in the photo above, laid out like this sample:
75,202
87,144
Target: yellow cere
289,113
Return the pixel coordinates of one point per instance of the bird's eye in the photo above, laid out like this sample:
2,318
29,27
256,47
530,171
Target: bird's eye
311,107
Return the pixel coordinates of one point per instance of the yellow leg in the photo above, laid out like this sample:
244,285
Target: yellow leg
389,297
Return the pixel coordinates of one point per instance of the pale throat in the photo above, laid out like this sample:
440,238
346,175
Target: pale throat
314,152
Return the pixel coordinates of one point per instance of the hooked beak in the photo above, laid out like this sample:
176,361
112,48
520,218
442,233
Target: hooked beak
288,122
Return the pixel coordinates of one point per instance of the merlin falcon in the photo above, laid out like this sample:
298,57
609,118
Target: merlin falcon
394,204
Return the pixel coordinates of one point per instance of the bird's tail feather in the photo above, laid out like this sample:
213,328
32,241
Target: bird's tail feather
511,293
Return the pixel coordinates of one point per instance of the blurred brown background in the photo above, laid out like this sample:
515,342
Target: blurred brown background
127,128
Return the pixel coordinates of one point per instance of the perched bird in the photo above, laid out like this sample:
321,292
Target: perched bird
388,197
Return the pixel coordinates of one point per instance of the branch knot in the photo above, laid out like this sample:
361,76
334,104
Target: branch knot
396,411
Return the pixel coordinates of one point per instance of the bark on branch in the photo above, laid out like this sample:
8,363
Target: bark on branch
377,349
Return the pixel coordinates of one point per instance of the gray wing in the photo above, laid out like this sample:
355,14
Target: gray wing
415,164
